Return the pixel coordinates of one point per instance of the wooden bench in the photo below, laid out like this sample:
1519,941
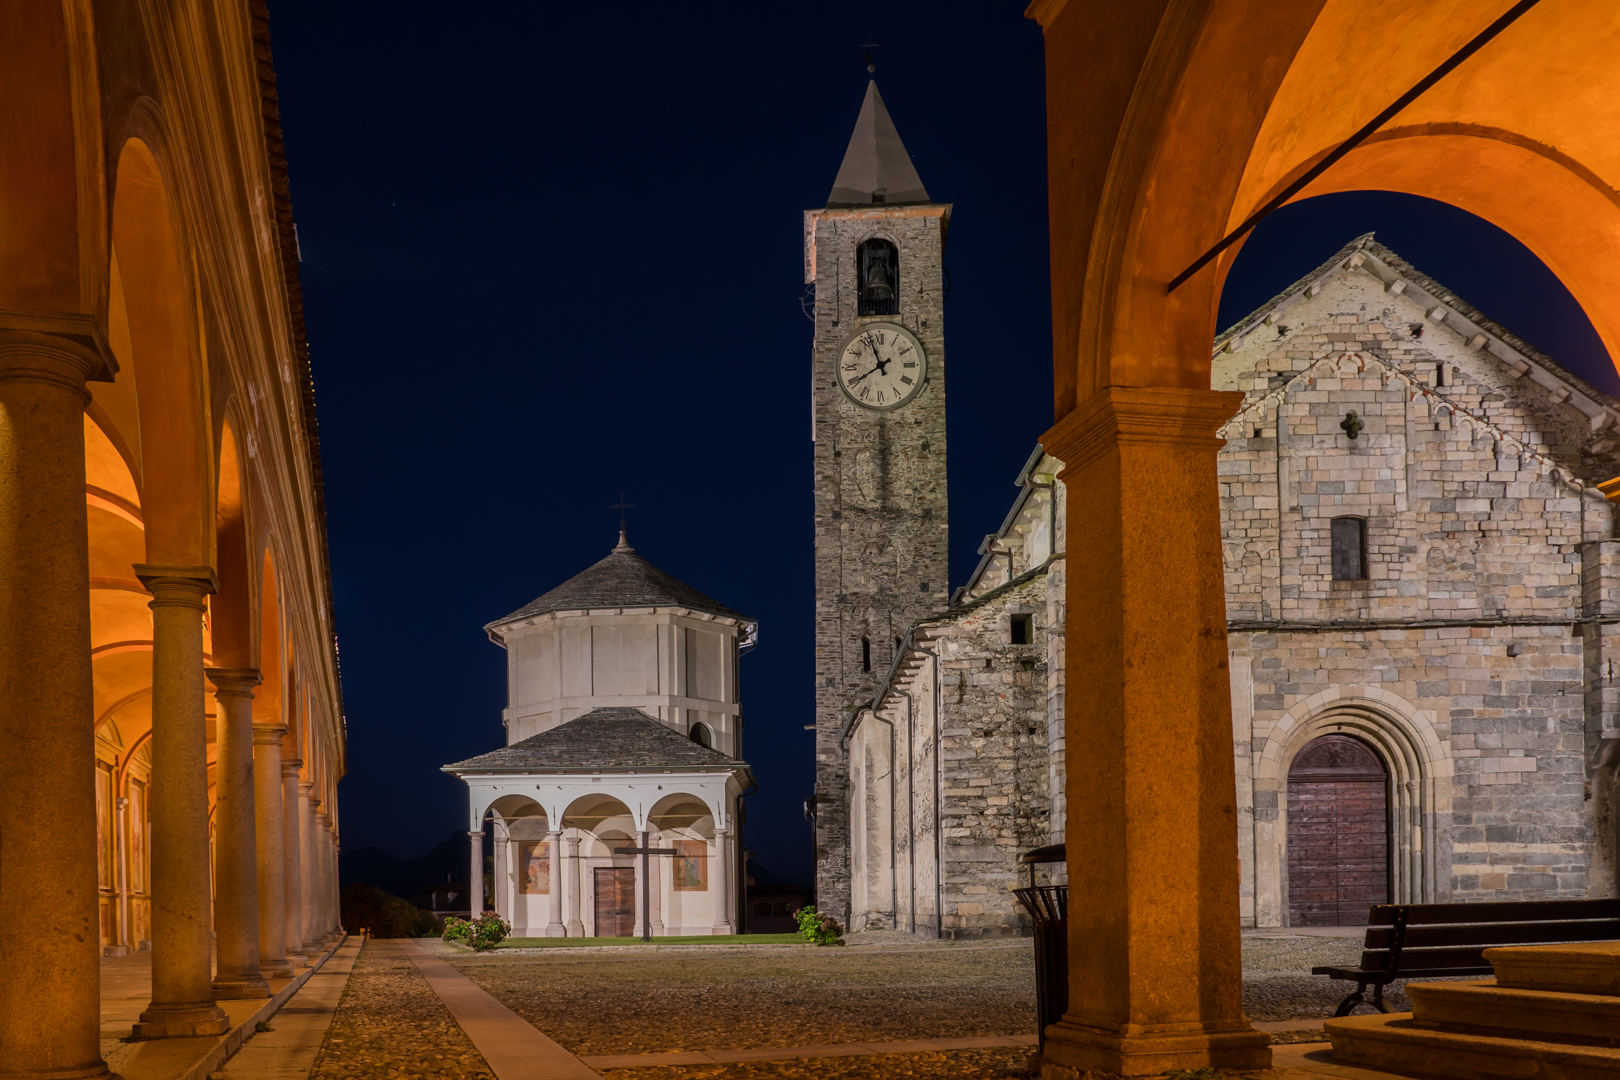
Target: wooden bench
1436,941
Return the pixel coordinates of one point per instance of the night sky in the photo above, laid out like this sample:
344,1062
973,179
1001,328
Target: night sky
549,256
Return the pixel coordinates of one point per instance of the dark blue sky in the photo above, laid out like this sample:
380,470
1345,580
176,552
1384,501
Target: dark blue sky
549,255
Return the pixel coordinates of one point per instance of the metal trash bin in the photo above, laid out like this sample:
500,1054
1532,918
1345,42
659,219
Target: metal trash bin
1048,906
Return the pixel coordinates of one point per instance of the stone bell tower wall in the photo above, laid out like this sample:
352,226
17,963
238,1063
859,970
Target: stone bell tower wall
881,560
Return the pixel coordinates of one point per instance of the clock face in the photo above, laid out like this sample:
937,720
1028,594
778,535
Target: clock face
882,366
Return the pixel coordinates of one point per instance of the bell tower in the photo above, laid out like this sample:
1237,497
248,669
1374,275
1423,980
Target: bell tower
874,254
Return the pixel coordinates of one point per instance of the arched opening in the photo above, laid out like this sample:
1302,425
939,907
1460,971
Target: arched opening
230,609
700,734
684,883
523,864
877,278
601,825
1338,832
267,702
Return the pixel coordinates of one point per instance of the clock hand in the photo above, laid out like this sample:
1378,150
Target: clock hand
858,378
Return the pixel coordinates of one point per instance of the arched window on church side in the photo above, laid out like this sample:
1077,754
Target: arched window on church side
700,735
877,278
866,654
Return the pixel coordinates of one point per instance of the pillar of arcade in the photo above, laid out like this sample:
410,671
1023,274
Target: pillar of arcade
1155,973
270,846
182,1003
236,871
475,875
554,923
49,994
306,872
293,877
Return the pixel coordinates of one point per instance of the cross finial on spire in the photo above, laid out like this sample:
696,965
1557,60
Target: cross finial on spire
621,506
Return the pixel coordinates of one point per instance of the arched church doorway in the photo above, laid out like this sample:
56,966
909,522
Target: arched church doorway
1338,832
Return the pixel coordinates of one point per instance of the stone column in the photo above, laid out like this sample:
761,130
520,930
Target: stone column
323,851
49,993
236,889
182,977
1155,974
271,844
575,924
554,920
293,851
657,840
475,875
720,882
500,901
306,871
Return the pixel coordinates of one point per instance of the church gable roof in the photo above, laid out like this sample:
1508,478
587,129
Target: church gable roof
617,738
622,580
876,163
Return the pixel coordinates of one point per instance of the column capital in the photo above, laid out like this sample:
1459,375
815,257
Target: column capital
268,734
178,584
471,835
1118,415
305,786
233,680
71,342
290,767
552,834
314,803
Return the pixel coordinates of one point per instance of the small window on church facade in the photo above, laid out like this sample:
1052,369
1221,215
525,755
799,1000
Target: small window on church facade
866,654
700,735
1023,630
1349,549
877,278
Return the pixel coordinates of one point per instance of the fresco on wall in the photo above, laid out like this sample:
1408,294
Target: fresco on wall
691,866
534,866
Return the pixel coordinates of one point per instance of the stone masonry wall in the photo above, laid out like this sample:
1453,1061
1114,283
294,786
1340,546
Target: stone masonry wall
995,791
1479,546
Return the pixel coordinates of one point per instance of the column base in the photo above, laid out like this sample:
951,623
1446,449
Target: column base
116,950
98,1071
241,988
279,969
575,929
182,1021
1073,1050
722,928
556,930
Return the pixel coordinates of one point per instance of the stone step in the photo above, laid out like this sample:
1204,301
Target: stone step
1591,967
1394,1044
1489,1008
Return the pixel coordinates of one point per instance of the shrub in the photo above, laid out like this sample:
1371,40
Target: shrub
365,906
819,928
488,931
457,929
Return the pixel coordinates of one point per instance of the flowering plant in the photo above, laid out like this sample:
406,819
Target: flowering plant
489,931
456,929
819,928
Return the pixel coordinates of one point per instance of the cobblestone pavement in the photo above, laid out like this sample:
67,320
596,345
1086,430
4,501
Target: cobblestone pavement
719,998
988,1064
1277,979
389,1023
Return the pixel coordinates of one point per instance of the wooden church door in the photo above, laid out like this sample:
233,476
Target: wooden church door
615,901
1338,833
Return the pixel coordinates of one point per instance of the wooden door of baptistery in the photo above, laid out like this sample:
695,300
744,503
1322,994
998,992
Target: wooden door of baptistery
615,901
1338,833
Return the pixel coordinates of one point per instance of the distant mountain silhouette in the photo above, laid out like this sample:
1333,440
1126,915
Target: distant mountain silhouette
407,878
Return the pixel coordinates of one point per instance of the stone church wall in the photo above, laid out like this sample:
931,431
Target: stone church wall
1480,546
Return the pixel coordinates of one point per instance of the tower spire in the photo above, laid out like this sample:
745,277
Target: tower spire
876,168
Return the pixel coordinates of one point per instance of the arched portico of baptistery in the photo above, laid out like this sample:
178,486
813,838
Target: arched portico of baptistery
156,451
1419,765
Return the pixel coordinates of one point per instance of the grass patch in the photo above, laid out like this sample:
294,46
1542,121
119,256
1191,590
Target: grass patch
695,939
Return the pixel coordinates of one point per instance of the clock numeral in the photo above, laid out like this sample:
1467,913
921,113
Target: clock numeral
906,379
880,397
881,340
850,367
865,390
905,350
909,363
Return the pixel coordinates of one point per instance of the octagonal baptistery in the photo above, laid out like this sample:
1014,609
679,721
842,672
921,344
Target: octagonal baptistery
625,634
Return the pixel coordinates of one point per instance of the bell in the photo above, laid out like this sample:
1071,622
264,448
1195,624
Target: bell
879,290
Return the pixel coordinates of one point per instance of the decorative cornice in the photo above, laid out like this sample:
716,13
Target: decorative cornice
201,578
1140,415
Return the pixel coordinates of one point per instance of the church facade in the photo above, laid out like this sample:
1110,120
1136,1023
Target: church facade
624,730
1421,572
